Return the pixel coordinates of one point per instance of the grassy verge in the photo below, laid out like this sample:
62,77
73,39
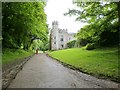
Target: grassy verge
10,55
99,62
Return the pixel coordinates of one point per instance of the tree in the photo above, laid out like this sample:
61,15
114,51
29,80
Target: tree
22,22
71,44
102,18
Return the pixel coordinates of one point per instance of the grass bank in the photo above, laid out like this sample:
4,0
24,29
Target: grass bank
10,55
99,62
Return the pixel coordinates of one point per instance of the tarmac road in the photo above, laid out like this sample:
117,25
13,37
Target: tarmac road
44,72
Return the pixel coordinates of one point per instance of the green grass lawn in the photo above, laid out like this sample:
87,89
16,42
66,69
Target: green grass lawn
10,55
99,62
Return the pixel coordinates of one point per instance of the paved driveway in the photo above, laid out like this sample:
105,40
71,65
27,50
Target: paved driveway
44,72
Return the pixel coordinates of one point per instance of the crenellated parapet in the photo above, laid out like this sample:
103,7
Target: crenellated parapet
55,23
63,31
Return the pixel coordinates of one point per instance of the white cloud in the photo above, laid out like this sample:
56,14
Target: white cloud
55,10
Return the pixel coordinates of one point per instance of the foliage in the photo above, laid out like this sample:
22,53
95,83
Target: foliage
38,44
0,38
102,62
45,47
109,38
11,55
102,19
22,22
71,44
90,46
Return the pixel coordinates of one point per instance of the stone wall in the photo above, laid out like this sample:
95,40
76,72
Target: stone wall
60,37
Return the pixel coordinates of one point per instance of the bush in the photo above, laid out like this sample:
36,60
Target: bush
90,46
71,44
109,38
83,42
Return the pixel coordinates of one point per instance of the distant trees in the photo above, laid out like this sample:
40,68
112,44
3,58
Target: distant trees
22,23
38,44
102,17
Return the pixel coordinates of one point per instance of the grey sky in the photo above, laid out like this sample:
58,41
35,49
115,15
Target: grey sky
55,10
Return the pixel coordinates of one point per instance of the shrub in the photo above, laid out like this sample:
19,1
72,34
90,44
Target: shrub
83,42
90,46
71,44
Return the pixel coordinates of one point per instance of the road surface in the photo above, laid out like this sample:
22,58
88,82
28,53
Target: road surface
42,71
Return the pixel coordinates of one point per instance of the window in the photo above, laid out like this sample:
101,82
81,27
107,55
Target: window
54,42
62,45
61,39
54,37
69,38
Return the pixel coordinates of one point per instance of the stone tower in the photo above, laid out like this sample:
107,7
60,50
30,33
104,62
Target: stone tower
59,37
54,36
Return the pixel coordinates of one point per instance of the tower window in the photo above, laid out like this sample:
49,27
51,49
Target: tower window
62,45
54,37
54,42
61,39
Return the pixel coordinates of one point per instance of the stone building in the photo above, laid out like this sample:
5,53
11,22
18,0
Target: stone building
59,37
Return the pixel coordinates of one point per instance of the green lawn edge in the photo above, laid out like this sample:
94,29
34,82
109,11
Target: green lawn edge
111,72
11,55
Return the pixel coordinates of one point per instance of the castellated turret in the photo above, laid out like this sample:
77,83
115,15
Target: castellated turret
59,37
54,24
54,37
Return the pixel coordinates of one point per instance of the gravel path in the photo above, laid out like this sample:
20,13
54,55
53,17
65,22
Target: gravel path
44,72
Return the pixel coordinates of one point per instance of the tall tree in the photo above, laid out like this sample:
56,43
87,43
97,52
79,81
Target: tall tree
23,21
102,18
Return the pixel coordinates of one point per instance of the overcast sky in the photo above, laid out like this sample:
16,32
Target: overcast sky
55,10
